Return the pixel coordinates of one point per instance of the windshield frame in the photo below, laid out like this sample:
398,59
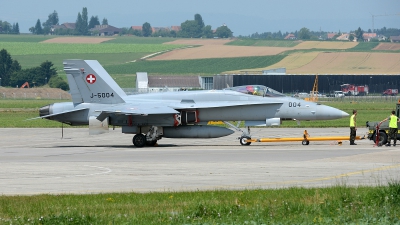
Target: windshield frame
258,90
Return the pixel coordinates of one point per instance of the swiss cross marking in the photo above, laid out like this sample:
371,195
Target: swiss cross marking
90,78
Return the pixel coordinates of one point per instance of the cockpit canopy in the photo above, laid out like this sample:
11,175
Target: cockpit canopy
259,90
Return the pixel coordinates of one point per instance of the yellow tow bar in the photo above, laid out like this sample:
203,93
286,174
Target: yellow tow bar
305,140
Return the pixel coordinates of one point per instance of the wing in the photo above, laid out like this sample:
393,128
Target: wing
141,110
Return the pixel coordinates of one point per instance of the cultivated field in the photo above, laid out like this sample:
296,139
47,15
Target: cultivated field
325,45
125,55
388,46
82,40
218,51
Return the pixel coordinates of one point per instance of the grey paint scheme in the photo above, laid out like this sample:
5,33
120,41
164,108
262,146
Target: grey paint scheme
105,99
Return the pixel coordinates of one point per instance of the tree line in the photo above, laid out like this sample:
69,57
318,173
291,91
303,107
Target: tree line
7,28
82,24
305,34
189,29
12,75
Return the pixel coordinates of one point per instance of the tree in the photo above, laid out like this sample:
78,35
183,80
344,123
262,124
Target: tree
200,24
146,29
359,35
22,76
192,28
32,30
304,34
84,28
47,70
51,21
199,20
38,75
38,27
6,67
94,20
104,22
351,37
189,29
6,27
207,32
16,31
58,82
79,24
223,32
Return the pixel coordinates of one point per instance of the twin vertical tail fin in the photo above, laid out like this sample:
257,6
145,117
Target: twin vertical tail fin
89,82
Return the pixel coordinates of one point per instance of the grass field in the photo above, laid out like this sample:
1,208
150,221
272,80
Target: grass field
334,205
194,66
105,59
23,38
29,48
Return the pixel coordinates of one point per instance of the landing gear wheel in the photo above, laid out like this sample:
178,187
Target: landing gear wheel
305,142
139,140
243,141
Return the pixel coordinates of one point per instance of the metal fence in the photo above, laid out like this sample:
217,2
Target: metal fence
33,95
368,98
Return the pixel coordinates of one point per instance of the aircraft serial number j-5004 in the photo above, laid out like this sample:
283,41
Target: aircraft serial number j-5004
99,102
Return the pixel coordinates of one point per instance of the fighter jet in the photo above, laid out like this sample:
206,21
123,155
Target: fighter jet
99,102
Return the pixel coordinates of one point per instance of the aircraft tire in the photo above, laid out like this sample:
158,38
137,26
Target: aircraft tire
305,142
139,140
243,141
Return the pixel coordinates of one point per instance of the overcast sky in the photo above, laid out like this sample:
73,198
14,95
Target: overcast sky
242,17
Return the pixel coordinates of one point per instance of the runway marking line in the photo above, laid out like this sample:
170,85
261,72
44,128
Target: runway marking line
108,170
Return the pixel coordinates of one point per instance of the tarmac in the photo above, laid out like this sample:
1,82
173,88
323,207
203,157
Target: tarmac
38,161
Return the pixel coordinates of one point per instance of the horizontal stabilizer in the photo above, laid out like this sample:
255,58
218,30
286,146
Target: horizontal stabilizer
58,114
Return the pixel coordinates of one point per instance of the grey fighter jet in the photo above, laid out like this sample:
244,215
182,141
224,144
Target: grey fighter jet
99,102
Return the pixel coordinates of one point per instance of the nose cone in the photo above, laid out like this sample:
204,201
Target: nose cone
329,113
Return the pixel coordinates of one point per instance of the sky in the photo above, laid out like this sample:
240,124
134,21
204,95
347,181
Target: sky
242,17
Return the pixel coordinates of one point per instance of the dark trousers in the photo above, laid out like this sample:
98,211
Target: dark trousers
352,134
392,135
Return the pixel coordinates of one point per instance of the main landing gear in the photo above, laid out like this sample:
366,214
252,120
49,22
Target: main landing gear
150,139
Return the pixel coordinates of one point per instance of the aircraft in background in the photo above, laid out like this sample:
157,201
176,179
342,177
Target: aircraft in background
99,102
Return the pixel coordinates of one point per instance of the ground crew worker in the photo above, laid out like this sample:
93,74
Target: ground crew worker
393,120
353,127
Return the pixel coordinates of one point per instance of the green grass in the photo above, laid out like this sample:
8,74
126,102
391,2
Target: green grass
263,42
333,205
29,61
363,47
195,66
23,38
29,48
139,40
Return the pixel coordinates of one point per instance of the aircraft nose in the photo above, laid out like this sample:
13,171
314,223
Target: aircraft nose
330,113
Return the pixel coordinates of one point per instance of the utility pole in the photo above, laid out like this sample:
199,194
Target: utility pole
373,18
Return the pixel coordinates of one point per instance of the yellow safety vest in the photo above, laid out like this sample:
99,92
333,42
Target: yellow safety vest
393,121
352,121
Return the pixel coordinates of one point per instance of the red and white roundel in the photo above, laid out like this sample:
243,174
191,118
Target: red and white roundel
91,78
